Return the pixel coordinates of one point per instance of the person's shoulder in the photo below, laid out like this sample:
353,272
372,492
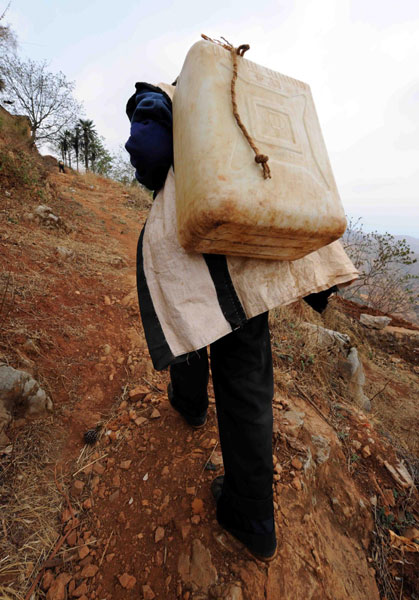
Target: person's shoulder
142,87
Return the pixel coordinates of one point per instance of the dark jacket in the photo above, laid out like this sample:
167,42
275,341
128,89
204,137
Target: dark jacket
150,144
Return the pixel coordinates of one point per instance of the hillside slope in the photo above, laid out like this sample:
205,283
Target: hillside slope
132,516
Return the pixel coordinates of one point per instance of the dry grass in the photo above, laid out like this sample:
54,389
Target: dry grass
30,507
32,499
302,366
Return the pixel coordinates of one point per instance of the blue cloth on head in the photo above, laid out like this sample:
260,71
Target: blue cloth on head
150,144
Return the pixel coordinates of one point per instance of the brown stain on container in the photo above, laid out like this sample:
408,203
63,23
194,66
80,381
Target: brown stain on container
223,203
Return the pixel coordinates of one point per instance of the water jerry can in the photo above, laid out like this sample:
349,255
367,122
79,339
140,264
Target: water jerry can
224,204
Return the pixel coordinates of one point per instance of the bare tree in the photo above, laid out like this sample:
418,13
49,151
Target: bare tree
44,97
385,281
8,41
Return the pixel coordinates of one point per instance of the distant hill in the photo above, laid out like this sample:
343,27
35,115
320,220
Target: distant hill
414,245
412,241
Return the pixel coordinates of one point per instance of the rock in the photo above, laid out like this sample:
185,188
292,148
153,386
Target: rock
148,593
195,520
98,468
72,538
64,252
352,371
57,589
356,445
89,571
83,552
46,216
191,490
47,579
42,211
296,463
202,571
296,483
140,421
155,414
159,534
400,474
138,393
254,583
127,581
107,300
77,488
366,452
292,420
374,322
217,459
18,389
322,448
233,592
81,590
197,506
125,464
71,587
198,568
325,338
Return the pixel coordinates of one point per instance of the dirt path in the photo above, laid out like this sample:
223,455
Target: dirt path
142,523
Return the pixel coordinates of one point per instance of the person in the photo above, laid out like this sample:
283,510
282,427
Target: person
61,166
190,302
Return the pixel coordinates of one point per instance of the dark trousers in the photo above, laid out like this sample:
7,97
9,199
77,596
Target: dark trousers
242,373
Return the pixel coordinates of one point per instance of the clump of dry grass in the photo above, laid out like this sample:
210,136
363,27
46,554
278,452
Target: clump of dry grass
302,366
138,197
30,507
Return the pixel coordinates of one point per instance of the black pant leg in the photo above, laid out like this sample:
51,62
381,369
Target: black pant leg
242,373
190,381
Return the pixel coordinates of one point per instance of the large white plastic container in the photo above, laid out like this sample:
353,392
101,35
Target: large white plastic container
224,205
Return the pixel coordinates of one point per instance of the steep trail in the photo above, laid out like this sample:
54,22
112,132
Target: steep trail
145,520
145,503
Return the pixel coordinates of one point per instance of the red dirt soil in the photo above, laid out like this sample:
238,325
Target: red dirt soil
145,521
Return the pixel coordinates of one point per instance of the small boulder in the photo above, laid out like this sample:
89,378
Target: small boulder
325,338
374,322
18,389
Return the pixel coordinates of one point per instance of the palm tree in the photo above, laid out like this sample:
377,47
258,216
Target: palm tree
88,134
67,138
63,146
75,142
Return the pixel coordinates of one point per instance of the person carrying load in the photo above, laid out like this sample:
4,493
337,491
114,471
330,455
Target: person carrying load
192,300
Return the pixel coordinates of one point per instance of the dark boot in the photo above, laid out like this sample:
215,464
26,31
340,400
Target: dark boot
258,535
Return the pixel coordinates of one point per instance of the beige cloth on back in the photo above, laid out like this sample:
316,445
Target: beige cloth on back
183,292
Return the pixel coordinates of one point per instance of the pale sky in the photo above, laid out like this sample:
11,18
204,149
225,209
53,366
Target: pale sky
360,57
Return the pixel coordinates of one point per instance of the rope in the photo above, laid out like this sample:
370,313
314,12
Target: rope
261,159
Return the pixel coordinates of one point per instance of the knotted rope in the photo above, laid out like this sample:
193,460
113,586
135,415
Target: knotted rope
261,159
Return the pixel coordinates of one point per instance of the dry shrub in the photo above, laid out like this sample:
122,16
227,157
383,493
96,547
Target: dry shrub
299,361
138,197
